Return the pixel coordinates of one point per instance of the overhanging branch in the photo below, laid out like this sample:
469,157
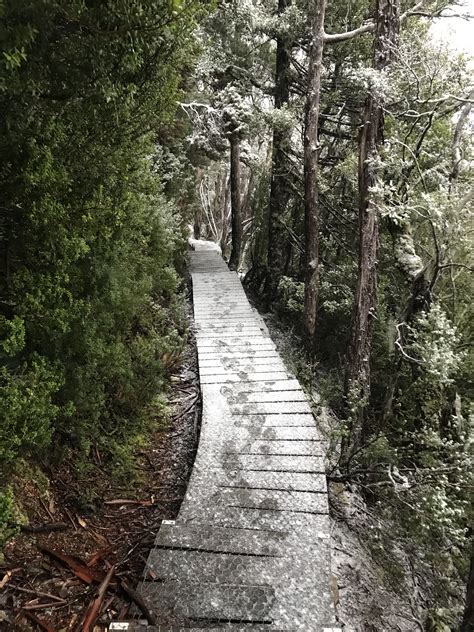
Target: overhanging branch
332,38
368,27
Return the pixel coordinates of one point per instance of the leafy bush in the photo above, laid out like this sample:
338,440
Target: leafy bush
90,311
8,515
26,408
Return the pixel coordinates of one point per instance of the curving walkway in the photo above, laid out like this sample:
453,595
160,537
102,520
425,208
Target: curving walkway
250,547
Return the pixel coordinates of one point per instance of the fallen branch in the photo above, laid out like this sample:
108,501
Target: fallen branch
98,555
45,528
44,625
126,501
88,575
37,593
139,601
94,609
187,409
42,606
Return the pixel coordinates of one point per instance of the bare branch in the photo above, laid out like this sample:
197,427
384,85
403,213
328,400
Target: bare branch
439,14
398,344
194,105
456,265
331,38
413,11
446,98
369,27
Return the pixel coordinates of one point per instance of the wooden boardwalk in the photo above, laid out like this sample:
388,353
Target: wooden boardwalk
250,547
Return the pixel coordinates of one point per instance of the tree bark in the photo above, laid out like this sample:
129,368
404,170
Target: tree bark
311,154
458,132
468,617
235,201
218,202
279,193
225,215
357,379
197,219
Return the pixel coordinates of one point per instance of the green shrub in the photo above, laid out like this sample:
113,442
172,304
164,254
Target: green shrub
90,311
8,515
27,410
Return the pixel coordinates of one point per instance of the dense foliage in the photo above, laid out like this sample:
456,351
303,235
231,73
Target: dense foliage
90,317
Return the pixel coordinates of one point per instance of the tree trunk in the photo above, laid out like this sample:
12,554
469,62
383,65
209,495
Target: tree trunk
235,201
219,201
468,618
279,193
197,223
197,219
311,153
458,132
225,215
357,379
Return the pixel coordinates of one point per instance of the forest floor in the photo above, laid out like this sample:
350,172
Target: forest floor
82,525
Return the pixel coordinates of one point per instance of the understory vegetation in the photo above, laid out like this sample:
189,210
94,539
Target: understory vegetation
92,241
327,147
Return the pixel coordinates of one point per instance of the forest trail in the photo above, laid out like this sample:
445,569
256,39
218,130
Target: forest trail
250,546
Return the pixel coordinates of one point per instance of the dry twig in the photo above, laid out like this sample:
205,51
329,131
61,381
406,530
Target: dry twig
94,609
139,601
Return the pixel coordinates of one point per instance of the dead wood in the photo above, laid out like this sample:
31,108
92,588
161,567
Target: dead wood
44,625
45,528
88,575
135,596
94,609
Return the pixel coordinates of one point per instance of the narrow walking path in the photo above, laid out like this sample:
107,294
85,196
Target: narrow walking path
250,547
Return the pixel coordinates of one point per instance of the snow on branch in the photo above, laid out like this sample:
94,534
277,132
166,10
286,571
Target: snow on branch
332,38
369,27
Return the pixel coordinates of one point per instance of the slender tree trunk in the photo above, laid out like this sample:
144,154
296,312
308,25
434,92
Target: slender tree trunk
357,381
197,219
218,202
289,250
311,153
197,223
235,200
225,215
458,132
279,193
468,618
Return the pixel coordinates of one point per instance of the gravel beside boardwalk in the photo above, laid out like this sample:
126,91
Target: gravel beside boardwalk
250,547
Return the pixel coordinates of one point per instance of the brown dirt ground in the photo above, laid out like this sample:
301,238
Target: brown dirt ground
37,590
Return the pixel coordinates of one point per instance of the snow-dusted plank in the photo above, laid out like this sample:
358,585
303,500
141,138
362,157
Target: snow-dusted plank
251,542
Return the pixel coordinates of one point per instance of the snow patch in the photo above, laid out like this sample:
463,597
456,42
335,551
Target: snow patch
201,244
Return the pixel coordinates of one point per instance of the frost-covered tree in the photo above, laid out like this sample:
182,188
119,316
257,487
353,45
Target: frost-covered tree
357,381
385,144
230,83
